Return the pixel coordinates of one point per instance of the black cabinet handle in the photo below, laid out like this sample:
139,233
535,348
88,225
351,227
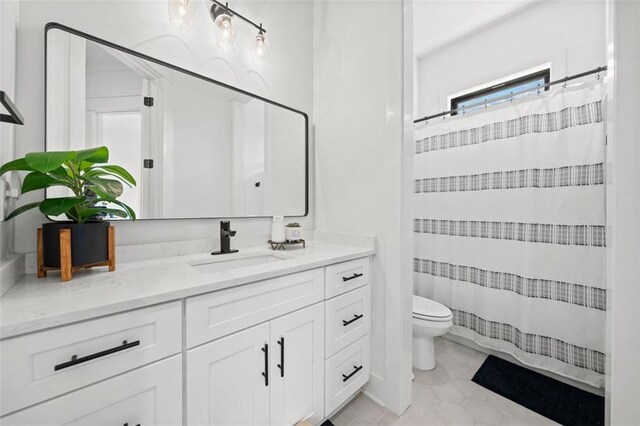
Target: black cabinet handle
281,365
355,370
352,277
75,360
265,374
355,318
127,424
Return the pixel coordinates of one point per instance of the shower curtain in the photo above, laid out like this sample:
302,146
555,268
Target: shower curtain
509,227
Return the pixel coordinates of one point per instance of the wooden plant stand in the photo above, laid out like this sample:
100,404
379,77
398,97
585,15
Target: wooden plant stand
66,267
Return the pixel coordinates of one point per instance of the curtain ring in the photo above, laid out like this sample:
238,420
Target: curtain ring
564,85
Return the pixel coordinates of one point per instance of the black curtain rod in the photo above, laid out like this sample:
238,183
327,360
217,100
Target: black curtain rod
234,13
551,83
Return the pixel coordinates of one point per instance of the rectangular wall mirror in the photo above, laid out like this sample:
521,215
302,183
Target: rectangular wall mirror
197,147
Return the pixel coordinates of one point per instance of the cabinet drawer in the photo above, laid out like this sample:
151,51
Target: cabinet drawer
346,372
346,276
347,318
214,315
151,395
40,366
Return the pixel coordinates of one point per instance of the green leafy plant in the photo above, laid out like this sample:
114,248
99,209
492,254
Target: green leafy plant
94,184
293,225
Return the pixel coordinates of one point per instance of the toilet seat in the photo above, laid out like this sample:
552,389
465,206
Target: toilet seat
430,310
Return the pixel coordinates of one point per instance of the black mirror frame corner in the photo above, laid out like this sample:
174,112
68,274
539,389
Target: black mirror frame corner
54,25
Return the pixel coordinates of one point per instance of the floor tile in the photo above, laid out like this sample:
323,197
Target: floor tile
454,415
424,417
507,407
445,396
423,397
437,376
344,416
448,393
471,389
391,419
513,421
366,409
482,411
362,422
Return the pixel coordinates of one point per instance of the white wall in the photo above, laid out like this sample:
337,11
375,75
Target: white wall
358,107
8,25
197,145
568,34
623,211
143,25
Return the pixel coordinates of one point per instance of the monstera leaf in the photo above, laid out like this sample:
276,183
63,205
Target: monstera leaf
93,185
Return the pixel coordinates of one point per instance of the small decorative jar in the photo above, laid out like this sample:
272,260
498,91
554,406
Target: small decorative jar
293,231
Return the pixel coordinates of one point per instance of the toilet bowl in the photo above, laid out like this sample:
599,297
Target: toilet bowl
430,319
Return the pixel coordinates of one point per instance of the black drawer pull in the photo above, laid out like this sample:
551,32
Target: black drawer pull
75,360
352,277
281,365
355,318
265,373
127,424
356,369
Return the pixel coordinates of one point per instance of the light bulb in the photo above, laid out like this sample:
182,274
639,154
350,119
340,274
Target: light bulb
260,48
181,13
225,32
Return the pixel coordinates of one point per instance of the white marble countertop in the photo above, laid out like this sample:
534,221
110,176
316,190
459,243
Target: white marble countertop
34,304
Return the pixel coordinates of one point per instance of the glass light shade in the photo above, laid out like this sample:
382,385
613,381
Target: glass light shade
225,32
260,49
181,13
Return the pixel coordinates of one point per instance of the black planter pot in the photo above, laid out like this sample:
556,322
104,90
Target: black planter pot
89,243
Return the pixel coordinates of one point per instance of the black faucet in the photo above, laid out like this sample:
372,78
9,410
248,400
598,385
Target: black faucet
225,238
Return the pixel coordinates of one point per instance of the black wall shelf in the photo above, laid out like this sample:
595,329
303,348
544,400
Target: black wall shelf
14,116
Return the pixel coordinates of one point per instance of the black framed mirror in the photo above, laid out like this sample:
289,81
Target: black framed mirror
199,148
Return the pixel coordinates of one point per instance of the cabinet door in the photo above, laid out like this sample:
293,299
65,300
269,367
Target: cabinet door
150,395
297,366
227,380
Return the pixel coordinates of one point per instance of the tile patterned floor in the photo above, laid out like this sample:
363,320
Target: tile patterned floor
444,396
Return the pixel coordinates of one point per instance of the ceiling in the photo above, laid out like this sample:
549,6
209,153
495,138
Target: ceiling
440,22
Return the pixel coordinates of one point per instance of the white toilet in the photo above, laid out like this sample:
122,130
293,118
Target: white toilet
430,319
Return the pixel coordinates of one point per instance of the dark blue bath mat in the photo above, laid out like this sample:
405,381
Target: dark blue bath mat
548,397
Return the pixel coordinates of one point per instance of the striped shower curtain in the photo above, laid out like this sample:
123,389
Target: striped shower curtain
509,228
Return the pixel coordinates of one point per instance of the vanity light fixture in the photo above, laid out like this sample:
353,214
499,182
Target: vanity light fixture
225,31
181,13
260,48
224,18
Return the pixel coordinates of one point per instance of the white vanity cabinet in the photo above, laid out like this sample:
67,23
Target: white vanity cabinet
151,395
294,366
272,352
297,376
268,374
42,365
224,380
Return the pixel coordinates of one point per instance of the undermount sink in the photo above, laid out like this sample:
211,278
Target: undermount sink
217,264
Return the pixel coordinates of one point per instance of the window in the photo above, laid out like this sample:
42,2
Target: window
521,86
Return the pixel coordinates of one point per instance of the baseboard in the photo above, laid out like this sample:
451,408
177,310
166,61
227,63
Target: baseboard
373,398
375,389
507,357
